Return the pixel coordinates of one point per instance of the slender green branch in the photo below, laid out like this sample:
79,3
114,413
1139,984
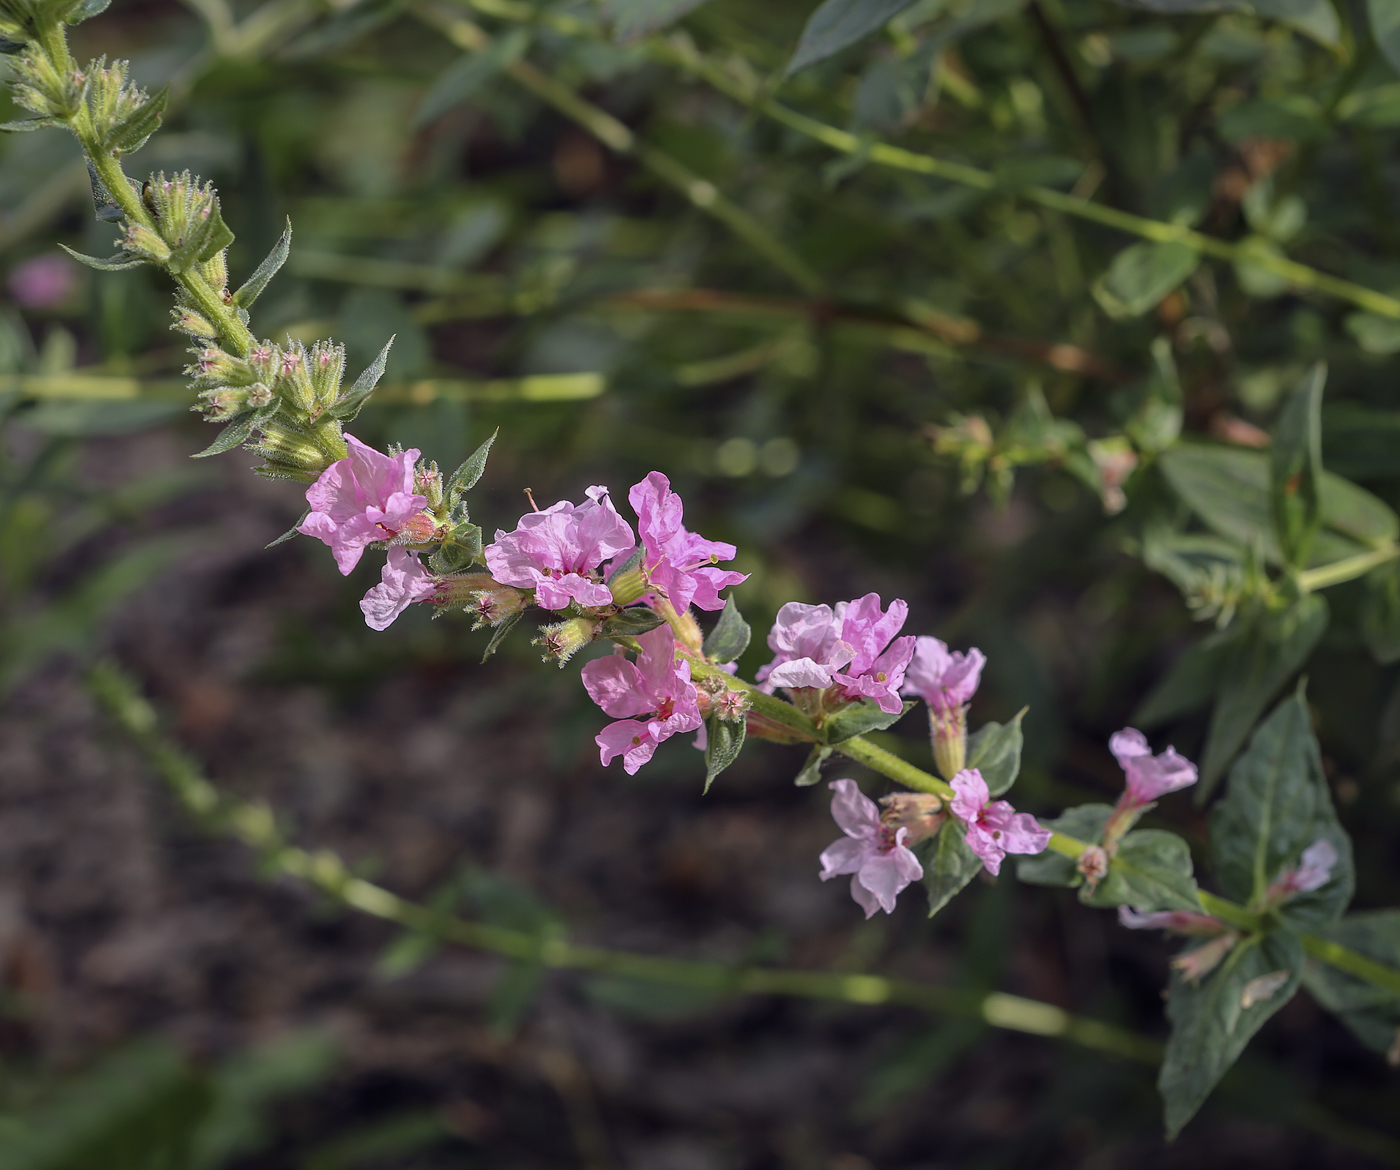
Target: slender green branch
1325,576
1336,955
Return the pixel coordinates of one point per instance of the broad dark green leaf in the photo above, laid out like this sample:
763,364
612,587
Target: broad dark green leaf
1213,1021
117,263
812,770
469,473
724,739
629,623
1269,652
1150,871
995,751
265,271
838,24
1384,16
730,637
1296,469
1380,615
1371,1012
1141,275
464,77
949,864
1084,822
349,403
861,717
636,18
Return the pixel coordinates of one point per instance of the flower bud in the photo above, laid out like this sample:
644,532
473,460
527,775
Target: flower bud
419,528
215,271
921,813
221,402
263,360
189,322
562,640
187,213
1092,864
327,368
427,482
141,241
630,585
290,452
293,378
213,367
42,87
493,604
948,733
1196,964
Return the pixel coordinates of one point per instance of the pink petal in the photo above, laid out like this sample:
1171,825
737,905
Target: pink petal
617,686
970,793
844,855
801,672
404,581
1128,744
854,813
627,739
865,899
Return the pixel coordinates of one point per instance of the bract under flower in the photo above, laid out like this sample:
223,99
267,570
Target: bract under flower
1149,777
942,679
994,828
363,498
677,561
656,687
556,552
405,579
877,858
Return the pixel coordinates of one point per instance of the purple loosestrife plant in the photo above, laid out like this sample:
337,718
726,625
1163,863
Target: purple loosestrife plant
876,855
992,827
946,682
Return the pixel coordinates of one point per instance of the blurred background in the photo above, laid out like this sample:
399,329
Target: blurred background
867,379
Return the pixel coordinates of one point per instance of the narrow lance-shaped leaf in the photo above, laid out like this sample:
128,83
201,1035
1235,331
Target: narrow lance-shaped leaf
464,77
730,637
635,18
812,770
837,24
116,263
724,739
1142,275
349,403
235,433
263,274
130,134
25,125
1296,469
466,476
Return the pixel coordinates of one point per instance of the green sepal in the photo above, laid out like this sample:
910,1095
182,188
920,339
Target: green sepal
861,717
949,864
348,405
265,271
1084,822
724,739
460,549
118,263
629,623
498,636
812,770
469,473
130,134
730,637
1151,870
995,751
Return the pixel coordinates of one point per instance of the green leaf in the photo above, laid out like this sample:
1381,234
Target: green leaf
347,406
1151,871
861,717
995,751
236,432
636,18
1384,16
130,134
1269,651
469,473
1085,822
629,623
291,532
117,263
1296,469
1191,682
104,206
949,864
1213,1021
1371,1012
25,125
265,271
730,637
837,24
1142,275
724,739
812,770
1380,615
85,10
465,76
499,633
1377,335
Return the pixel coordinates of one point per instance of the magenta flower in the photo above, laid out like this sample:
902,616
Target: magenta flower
363,498
1149,777
43,282
852,647
680,563
1176,921
994,828
656,686
556,552
1313,872
404,580
880,863
942,680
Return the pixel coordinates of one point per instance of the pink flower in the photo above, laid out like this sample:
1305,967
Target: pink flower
1314,871
848,647
880,863
363,498
994,828
1149,777
679,562
1176,921
656,686
942,680
404,580
555,552
44,282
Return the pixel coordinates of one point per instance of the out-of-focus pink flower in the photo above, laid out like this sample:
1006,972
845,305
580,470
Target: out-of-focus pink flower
1176,921
44,282
656,687
852,646
678,561
880,863
556,552
405,580
1313,872
941,679
1149,777
994,828
363,498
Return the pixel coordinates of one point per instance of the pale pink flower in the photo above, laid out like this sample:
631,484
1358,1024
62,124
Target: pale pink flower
43,282
1176,921
680,563
653,698
874,854
994,828
852,647
404,580
1149,777
1313,872
941,679
556,552
363,498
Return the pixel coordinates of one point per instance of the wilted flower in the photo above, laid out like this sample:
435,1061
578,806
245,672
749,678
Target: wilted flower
1149,777
1176,921
994,828
1312,873
363,498
404,580
677,561
946,682
873,853
555,552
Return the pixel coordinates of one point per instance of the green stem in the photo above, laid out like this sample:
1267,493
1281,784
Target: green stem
1310,580
1229,912
1343,959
